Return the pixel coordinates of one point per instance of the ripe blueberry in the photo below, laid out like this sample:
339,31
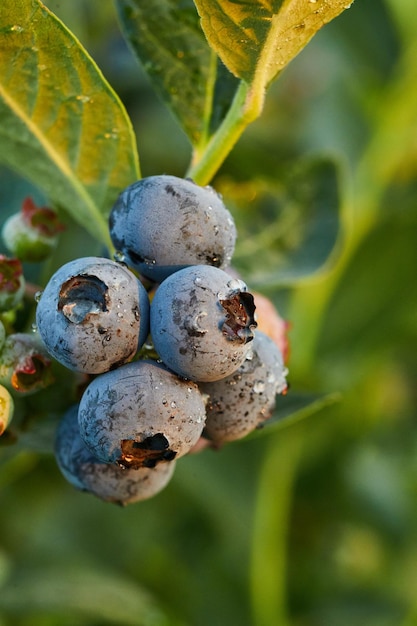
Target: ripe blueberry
93,315
202,322
108,482
243,401
164,223
140,414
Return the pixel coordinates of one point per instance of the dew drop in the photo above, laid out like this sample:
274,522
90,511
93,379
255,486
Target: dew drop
198,281
173,405
236,285
38,296
259,386
249,356
119,256
34,328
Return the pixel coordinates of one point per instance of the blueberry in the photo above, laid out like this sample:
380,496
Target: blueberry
93,315
108,482
243,401
202,322
164,223
141,414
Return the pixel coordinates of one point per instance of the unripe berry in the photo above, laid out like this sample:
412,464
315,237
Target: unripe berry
12,283
6,409
32,234
25,366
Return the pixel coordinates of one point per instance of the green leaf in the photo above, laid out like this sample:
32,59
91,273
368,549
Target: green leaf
295,407
186,74
105,597
292,227
258,38
62,126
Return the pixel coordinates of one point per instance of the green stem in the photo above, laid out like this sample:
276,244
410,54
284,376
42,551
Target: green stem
246,107
271,523
392,139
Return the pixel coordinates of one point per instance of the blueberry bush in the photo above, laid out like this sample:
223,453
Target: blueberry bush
219,335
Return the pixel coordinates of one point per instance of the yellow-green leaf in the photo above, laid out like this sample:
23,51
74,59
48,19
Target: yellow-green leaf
61,124
260,37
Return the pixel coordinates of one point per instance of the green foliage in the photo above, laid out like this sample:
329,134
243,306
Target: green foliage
62,126
257,39
169,42
305,212
312,519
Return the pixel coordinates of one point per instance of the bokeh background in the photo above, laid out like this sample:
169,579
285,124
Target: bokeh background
313,523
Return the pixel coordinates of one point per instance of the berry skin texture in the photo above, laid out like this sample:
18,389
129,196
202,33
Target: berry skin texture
140,415
164,223
202,322
243,401
93,315
108,482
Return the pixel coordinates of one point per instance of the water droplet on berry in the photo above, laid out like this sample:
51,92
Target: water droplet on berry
119,256
38,296
259,386
236,285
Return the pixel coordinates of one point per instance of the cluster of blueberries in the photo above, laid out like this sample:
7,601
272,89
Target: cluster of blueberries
167,335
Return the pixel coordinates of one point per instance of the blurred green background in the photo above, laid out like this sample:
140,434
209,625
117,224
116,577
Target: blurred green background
314,524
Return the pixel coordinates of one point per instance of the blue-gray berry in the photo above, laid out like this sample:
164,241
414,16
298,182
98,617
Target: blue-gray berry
243,401
108,482
141,414
164,223
202,322
93,315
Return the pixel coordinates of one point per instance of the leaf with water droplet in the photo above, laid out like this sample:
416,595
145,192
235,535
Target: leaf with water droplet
57,137
259,38
186,74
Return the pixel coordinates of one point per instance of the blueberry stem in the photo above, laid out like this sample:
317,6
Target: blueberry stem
246,107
